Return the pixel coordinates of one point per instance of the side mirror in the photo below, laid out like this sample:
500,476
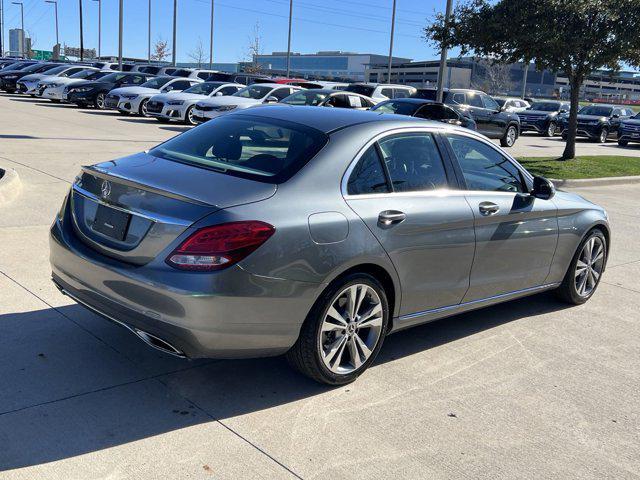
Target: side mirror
615,115
218,94
272,99
563,110
543,188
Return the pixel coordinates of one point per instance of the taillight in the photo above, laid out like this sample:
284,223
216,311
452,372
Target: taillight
220,246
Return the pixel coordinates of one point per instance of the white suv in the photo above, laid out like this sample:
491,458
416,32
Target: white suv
256,94
381,91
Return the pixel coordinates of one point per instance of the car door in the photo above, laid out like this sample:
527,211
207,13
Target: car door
482,116
404,191
497,119
516,233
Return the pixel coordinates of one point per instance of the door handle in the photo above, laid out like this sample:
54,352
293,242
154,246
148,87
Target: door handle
488,208
391,217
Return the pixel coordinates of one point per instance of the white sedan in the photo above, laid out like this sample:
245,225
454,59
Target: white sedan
29,83
179,106
251,96
52,88
134,99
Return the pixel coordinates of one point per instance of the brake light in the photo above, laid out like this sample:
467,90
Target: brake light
220,246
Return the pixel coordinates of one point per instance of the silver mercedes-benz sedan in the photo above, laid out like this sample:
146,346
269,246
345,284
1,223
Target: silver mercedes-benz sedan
316,232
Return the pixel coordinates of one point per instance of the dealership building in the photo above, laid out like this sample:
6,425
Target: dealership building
470,72
347,65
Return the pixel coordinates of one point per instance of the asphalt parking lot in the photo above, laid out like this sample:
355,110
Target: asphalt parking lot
527,389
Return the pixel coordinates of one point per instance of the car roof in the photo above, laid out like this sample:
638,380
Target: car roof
326,120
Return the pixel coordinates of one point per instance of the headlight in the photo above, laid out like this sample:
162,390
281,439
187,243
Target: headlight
175,102
593,122
81,89
51,85
11,77
129,97
225,108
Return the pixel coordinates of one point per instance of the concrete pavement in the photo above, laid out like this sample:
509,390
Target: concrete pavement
527,389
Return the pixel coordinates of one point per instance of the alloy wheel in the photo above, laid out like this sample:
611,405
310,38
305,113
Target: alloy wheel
551,129
351,329
511,136
143,109
100,101
603,135
589,266
190,119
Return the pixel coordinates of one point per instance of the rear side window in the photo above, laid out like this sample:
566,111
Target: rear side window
387,92
413,162
484,168
266,150
368,175
400,93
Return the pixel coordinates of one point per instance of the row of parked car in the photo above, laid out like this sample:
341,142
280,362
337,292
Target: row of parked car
194,96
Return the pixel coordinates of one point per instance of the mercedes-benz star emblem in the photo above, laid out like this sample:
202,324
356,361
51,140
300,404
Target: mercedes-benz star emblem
105,188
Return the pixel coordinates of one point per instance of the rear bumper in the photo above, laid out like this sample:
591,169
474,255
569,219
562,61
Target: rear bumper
227,314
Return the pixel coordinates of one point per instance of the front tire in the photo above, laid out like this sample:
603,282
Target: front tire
623,143
99,101
510,136
602,136
551,129
188,116
586,268
142,110
343,332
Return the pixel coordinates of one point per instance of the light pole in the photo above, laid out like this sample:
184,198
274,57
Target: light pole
524,80
175,23
443,56
120,23
289,39
393,26
81,32
21,27
149,36
2,47
99,26
55,4
211,40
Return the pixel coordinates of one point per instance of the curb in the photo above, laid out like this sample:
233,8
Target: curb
595,182
10,185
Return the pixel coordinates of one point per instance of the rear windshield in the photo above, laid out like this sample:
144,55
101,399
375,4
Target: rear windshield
596,110
427,94
401,108
266,150
203,88
365,90
305,97
545,106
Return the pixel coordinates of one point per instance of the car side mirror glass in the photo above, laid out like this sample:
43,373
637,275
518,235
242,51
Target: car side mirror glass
272,99
219,94
615,115
543,188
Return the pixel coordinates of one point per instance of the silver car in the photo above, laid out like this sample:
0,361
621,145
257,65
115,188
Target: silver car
316,232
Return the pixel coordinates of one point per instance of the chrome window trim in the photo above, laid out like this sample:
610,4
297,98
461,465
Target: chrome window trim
432,129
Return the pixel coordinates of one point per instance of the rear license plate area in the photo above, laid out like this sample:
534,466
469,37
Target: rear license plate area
111,222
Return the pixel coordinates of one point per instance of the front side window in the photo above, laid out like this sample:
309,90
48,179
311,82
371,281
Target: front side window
489,102
202,88
474,100
483,167
305,97
596,110
387,92
368,176
281,93
254,91
436,111
156,83
266,150
413,162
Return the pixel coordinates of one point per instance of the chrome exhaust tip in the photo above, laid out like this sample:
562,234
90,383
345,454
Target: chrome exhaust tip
158,343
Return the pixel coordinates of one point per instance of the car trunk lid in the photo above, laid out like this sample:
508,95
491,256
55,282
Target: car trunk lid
133,208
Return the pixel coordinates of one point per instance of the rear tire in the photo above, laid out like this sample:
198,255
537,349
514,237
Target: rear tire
571,290
623,143
335,351
510,136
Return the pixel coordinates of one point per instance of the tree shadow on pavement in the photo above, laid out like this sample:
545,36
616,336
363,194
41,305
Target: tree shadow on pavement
72,391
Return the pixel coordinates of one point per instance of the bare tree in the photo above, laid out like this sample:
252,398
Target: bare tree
198,54
496,78
254,48
160,50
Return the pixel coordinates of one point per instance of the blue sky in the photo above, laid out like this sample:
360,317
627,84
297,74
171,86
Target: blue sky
353,25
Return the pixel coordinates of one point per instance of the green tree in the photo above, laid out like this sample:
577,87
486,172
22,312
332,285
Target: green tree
571,36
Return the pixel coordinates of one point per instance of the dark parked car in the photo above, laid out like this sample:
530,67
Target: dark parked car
9,77
629,131
420,108
598,122
542,117
94,92
485,111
